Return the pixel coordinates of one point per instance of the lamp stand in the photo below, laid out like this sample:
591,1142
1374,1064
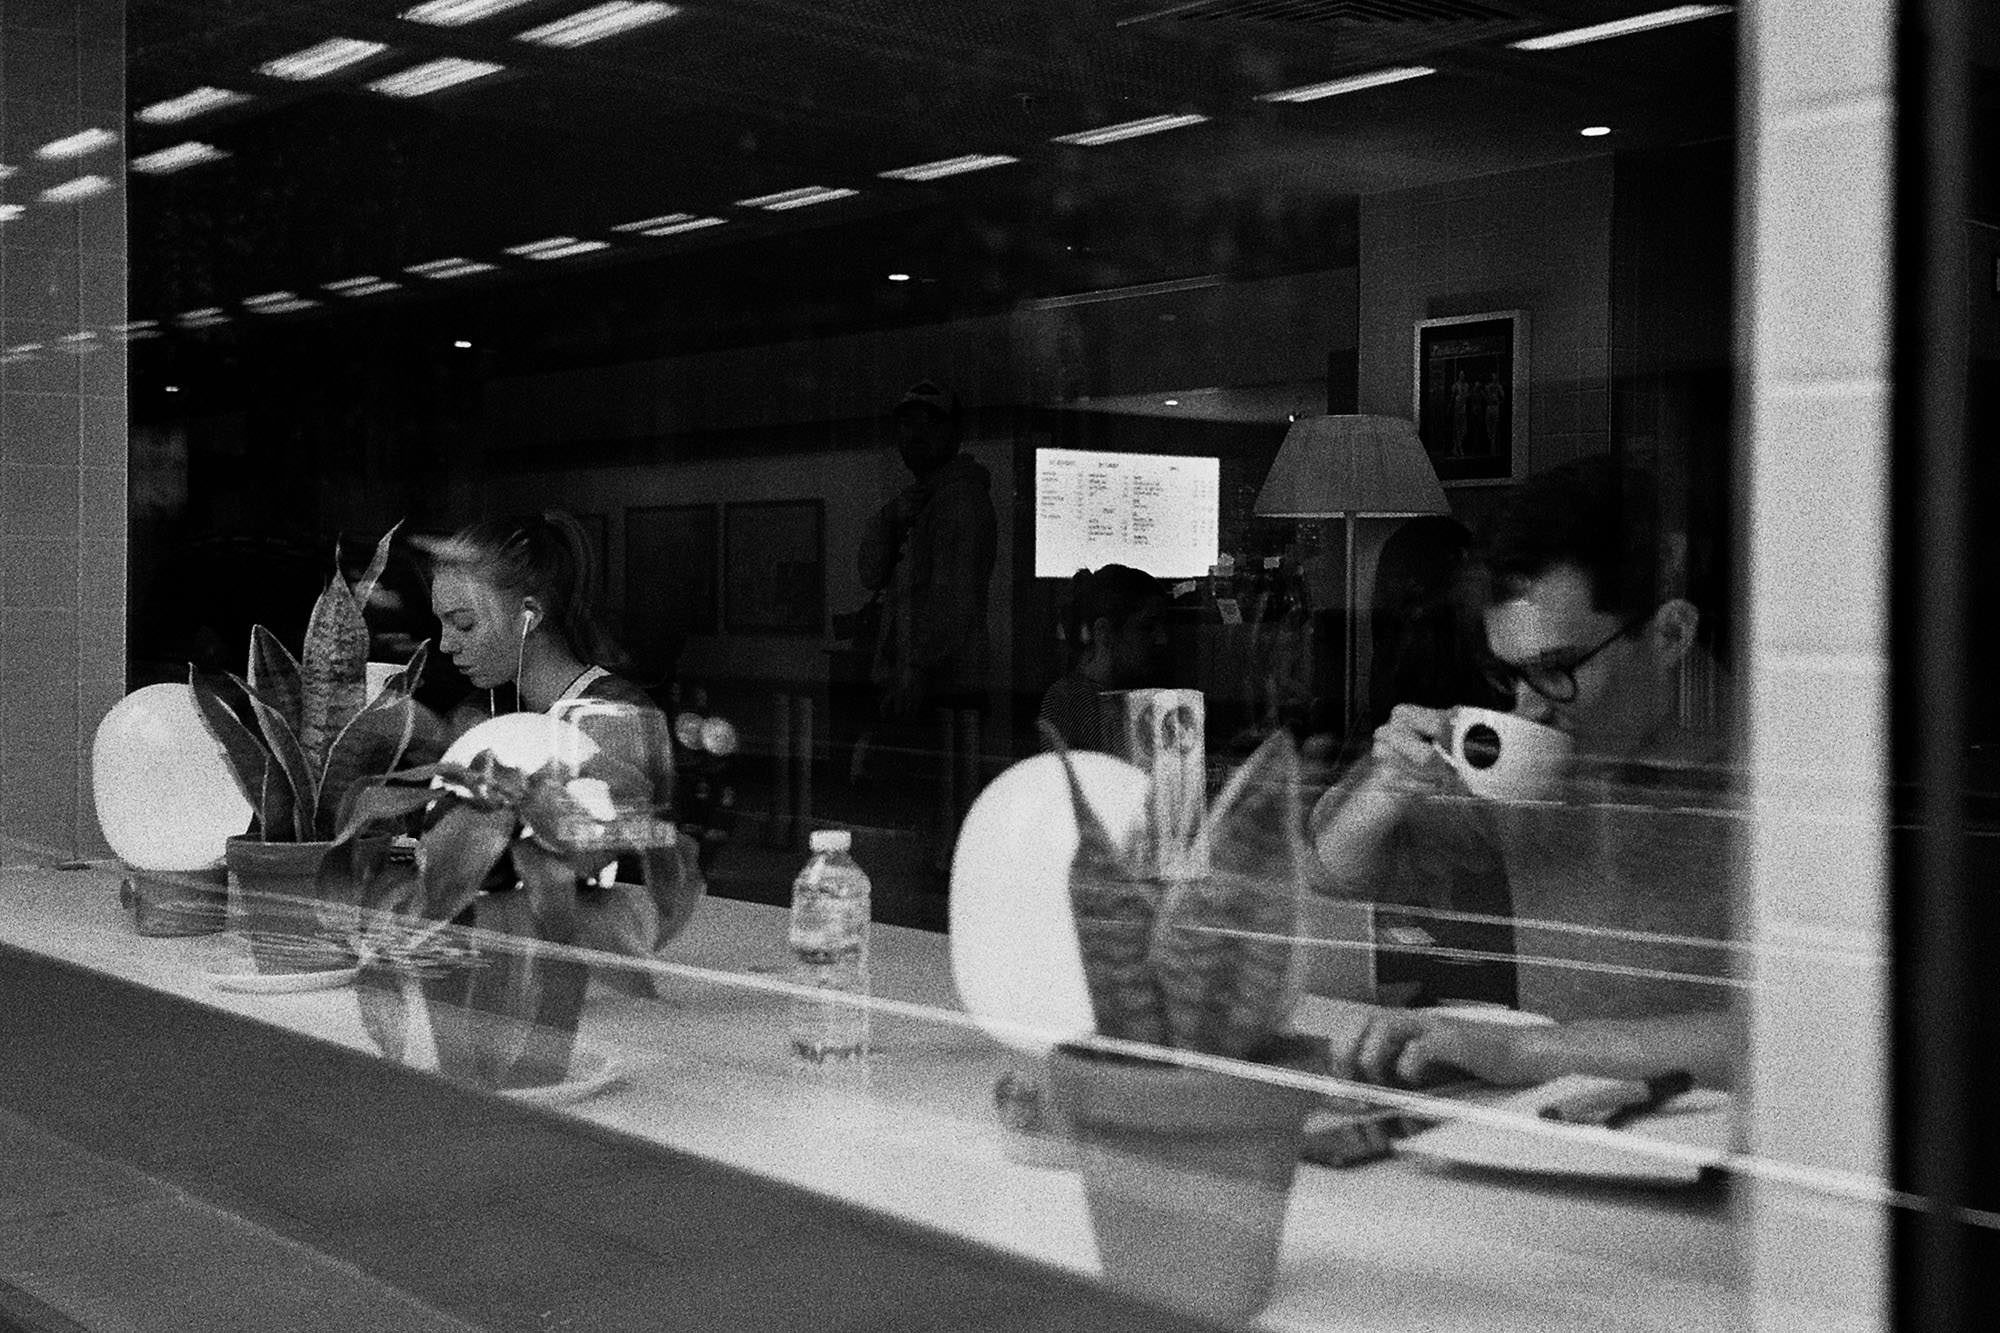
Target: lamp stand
1349,650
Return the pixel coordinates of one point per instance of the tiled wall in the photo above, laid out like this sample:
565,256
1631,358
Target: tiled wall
1815,333
1496,243
62,415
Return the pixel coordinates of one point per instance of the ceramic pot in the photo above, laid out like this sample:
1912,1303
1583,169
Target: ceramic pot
295,902
1187,1173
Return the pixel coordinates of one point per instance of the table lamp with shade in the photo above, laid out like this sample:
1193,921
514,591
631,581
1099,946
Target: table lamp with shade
1351,466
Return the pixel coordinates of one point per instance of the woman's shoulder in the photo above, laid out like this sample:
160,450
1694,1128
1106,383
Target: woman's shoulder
615,688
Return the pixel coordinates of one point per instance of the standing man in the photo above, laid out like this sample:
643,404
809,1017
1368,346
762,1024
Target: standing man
1621,889
930,552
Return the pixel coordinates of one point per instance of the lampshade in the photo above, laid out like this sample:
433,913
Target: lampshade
1358,465
166,796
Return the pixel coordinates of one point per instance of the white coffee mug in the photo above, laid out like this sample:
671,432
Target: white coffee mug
1504,756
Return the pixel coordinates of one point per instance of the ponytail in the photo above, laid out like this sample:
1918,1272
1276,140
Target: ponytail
1114,593
546,556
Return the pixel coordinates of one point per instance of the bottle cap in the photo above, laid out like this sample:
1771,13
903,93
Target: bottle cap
830,840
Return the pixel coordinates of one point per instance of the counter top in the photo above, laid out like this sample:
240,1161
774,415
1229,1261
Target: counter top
707,1071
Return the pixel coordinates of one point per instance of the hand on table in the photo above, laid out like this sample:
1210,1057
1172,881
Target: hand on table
1418,1047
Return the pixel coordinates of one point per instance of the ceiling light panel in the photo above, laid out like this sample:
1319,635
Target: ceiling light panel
76,145
178,158
557,247
949,166
83,187
316,62
189,105
804,197
599,22
206,317
434,76
669,224
1312,92
450,268
366,285
1129,129
458,13
1597,32
8,212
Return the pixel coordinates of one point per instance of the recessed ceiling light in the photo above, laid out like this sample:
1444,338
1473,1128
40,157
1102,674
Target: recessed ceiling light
6,171
456,13
177,158
449,268
8,212
799,198
1597,32
557,247
1129,129
188,105
203,318
76,145
1594,131
1312,92
948,166
316,62
462,344
669,224
1171,402
173,388
277,303
433,76
599,22
899,277
83,187
366,285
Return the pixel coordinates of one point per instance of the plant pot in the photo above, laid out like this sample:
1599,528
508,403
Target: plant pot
1187,1172
296,902
495,1014
175,903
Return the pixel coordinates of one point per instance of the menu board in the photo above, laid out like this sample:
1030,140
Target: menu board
1156,512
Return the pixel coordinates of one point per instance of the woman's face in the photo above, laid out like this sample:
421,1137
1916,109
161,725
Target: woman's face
481,628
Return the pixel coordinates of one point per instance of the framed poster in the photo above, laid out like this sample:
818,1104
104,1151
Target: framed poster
774,567
670,580
1470,400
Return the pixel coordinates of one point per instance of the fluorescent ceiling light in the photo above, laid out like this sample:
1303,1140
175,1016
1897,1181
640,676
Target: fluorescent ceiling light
1130,129
188,105
367,285
449,268
8,212
317,62
1312,92
670,224
277,301
557,247
177,158
1594,131
6,171
803,197
457,13
76,145
899,277
202,318
1597,32
434,76
83,187
949,166
600,21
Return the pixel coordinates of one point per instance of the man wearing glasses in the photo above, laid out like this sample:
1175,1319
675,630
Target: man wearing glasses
1621,887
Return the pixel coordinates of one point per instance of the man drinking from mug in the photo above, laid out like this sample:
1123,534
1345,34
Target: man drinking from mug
1619,877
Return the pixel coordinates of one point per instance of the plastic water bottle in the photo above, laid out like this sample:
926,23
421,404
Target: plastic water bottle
829,938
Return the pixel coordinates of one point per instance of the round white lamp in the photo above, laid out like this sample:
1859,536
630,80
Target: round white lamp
167,798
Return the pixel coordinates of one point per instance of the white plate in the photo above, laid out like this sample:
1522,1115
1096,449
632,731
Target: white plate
283,983
591,1071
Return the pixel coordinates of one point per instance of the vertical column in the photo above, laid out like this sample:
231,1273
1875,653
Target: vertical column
1815,335
62,408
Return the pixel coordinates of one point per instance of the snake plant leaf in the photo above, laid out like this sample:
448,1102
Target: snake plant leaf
1113,907
549,881
364,590
274,674
371,802
370,745
334,669
289,759
1225,945
673,878
412,674
249,758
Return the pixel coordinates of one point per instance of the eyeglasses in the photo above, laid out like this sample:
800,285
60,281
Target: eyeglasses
1554,681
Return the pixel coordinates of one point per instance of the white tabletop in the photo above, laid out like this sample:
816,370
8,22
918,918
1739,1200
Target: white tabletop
1388,1246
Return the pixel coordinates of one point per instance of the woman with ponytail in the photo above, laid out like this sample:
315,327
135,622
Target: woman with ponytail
1114,626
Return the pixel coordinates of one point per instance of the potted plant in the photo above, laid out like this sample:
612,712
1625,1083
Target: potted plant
299,735
527,857
1188,1169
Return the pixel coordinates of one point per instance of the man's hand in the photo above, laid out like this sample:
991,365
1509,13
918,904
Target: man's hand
1406,749
1351,822
1418,1047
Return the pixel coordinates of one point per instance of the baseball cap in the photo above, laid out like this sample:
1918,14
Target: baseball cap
932,395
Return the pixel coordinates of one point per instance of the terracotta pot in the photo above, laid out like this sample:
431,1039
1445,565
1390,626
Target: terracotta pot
294,901
1187,1173
182,902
